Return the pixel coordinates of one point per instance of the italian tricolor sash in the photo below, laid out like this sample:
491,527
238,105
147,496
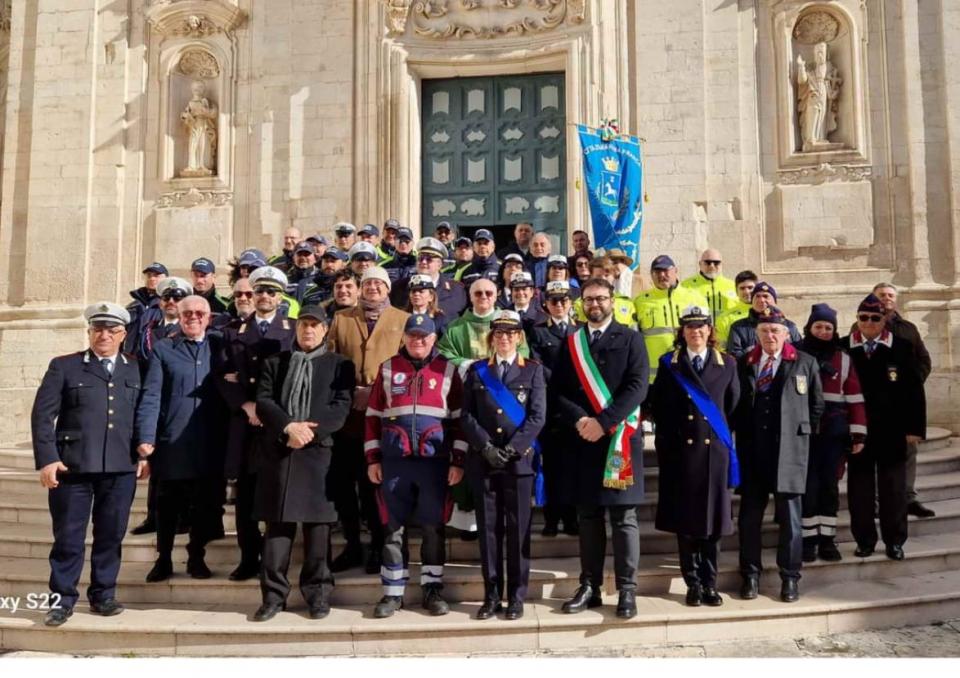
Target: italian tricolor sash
618,471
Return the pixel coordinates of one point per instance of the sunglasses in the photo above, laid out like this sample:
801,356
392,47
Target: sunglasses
558,300
712,262
427,258
869,318
269,291
174,296
243,295
193,314
484,293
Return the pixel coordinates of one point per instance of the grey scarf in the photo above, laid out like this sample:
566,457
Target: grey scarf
295,394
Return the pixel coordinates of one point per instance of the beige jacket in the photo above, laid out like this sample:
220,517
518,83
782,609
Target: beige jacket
348,336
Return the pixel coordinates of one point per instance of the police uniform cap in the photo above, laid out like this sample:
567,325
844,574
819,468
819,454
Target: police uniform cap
304,246
319,239
369,229
463,241
106,313
269,275
334,253
203,265
506,319
174,283
557,289
391,223
362,250
404,233
483,234
521,279
156,267
557,261
513,256
443,224
432,246
344,227
695,315
252,259
420,323
421,282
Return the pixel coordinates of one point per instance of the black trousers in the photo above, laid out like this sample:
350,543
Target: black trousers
200,498
822,497
354,496
557,477
316,580
753,502
625,528
249,538
869,480
698,559
503,514
108,497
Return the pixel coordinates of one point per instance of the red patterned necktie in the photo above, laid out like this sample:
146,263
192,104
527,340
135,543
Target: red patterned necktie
765,378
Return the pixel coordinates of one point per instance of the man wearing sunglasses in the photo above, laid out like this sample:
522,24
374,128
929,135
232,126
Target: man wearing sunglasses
450,294
264,333
719,291
891,380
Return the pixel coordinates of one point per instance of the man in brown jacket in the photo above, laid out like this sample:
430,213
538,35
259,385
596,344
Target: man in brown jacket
367,334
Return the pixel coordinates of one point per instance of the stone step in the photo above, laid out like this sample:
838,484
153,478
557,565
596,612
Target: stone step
658,575
32,541
22,500
226,630
20,455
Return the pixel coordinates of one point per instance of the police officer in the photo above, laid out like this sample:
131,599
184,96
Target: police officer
504,410
345,235
371,234
301,274
523,292
82,425
891,378
485,262
462,256
144,311
319,243
414,458
403,261
391,230
362,255
659,309
547,339
781,400
332,262
451,296
263,334
204,281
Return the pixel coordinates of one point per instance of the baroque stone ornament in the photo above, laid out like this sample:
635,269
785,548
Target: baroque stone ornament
193,19
194,197
198,64
818,91
826,172
200,120
482,19
816,27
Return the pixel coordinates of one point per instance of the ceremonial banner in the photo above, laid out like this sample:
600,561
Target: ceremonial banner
613,173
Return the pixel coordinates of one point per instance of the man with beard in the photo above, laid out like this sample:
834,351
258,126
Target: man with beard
332,262
301,274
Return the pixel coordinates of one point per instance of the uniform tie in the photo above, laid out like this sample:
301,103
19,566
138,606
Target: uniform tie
107,366
870,347
697,364
563,327
264,326
595,336
765,378
503,369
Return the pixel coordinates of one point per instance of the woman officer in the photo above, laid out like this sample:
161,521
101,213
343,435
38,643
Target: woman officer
504,409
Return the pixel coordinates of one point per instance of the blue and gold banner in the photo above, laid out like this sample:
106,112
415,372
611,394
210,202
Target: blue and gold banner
613,174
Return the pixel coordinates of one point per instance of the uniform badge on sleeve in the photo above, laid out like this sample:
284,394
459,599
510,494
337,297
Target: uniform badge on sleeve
892,373
802,384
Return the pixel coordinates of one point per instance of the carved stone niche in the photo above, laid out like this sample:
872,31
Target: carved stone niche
821,80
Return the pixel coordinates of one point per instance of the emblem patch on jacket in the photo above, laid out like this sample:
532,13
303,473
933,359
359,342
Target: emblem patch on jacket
802,384
892,373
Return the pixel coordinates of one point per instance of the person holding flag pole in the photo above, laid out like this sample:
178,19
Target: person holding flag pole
600,379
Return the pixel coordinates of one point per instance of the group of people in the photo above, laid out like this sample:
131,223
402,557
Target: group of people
439,383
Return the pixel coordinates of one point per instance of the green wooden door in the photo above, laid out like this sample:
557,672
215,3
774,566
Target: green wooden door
494,153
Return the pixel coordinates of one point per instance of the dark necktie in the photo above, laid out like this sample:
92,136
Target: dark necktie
765,378
563,327
264,326
503,369
870,347
106,366
595,337
697,364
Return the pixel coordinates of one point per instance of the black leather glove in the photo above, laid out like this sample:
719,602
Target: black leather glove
493,455
512,453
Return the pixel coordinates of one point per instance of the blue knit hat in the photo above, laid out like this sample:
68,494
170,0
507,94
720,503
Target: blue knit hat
822,312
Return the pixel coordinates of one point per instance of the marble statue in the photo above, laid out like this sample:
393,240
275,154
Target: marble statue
200,119
818,89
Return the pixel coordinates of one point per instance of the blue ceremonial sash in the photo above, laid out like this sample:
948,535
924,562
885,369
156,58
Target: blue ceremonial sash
517,414
714,416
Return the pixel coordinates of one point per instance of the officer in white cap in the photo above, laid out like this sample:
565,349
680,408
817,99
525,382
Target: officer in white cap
451,297
271,278
83,448
362,255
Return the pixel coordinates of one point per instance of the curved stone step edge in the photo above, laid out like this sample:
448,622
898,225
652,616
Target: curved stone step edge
225,631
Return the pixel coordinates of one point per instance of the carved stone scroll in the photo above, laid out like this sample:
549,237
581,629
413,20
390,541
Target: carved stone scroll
481,19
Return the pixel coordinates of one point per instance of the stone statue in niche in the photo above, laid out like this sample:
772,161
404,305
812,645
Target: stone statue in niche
200,120
818,92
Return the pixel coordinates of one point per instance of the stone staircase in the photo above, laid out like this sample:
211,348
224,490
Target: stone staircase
211,617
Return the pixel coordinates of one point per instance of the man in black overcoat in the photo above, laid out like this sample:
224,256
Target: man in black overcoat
621,360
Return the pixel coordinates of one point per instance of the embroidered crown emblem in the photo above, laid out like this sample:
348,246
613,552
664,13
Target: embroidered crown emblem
611,164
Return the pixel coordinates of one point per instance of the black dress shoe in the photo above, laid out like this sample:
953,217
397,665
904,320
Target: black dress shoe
268,611
711,597
694,595
372,566
320,609
489,608
915,508
750,588
198,569
863,551
351,556
106,608
550,530
627,605
387,606
467,535
57,616
895,552
514,610
244,571
789,591
161,571
829,552
148,526
585,597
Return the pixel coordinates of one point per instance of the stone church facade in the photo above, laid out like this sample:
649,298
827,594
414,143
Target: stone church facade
816,142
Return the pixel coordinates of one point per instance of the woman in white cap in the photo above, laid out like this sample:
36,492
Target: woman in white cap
423,299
